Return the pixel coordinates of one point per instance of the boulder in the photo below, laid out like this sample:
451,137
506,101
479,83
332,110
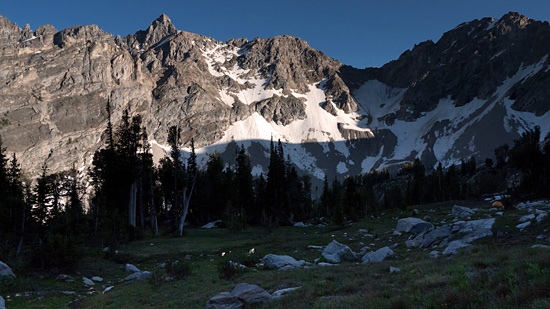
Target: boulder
224,300
301,224
475,229
541,246
97,279
378,255
526,218
432,236
323,264
394,270
140,275
63,277
434,254
87,281
211,225
523,225
314,247
462,212
541,216
5,270
336,252
107,289
251,293
280,293
273,261
413,225
132,268
454,246
2,303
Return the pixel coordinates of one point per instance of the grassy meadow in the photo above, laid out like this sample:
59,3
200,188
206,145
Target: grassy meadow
497,272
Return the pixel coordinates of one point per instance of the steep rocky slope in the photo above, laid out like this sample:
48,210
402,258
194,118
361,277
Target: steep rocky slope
480,85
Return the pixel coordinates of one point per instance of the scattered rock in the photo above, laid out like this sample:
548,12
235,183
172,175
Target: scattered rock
454,246
526,218
413,225
434,254
280,293
313,247
541,246
64,292
323,264
523,225
5,270
301,224
224,300
378,255
140,275
430,237
336,252
211,225
241,296
251,293
132,268
97,279
462,212
500,213
87,281
273,261
394,270
63,277
107,289
541,216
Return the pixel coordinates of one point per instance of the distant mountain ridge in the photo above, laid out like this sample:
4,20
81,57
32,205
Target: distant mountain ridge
481,85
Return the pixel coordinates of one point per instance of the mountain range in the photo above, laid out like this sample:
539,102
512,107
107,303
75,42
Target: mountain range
479,86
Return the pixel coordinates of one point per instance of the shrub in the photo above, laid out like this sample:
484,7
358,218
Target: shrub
228,269
178,270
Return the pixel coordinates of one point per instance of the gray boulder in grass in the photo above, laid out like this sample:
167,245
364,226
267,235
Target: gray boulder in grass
336,252
273,261
413,225
378,255
5,270
251,293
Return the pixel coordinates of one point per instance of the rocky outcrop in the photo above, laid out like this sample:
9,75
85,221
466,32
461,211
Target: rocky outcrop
55,85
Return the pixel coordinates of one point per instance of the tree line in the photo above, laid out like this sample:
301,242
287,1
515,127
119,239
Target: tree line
44,224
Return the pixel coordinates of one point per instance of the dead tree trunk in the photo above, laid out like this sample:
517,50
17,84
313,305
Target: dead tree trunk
186,200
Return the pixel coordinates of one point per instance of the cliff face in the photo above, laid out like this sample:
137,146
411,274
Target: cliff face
480,85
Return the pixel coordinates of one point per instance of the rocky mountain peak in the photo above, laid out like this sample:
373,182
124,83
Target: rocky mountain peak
516,19
158,30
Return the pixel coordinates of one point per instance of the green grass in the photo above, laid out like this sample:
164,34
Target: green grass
501,272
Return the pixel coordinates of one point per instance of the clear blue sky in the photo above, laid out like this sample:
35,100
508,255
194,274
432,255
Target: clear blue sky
358,33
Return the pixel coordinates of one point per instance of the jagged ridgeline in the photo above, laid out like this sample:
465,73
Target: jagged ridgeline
481,85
